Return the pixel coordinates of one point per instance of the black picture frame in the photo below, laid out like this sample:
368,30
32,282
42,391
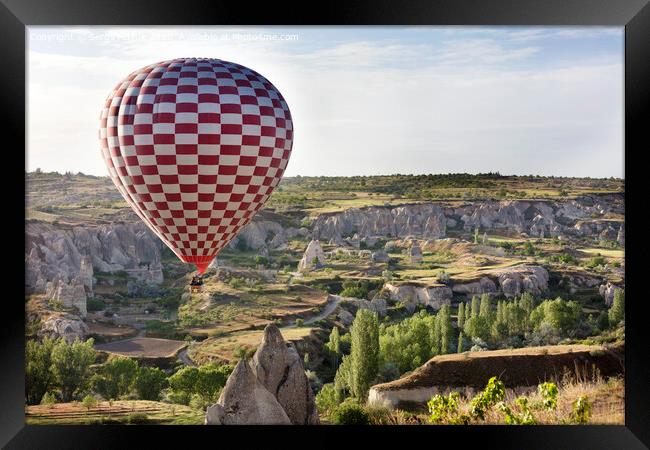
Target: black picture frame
634,15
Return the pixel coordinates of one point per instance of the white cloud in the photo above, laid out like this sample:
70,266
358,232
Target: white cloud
359,107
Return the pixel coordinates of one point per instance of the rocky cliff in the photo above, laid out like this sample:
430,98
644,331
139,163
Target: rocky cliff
583,216
510,282
58,258
425,220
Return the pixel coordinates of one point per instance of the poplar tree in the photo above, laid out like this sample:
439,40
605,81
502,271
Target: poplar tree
485,310
444,317
461,316
475,306
617,311
364,353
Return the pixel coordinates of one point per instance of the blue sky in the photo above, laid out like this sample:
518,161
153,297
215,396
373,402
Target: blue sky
365,100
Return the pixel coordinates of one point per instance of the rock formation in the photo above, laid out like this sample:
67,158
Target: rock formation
69,295
379,256
56,253
67,326
377,305
279,368
549,218
426,220
415,254
511,282
607,291
620,238
345,317
312,258
515,280
482,286
245,401
517,368
272,388
412,295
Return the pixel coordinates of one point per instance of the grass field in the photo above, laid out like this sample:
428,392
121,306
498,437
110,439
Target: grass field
119,412
223,348
608,253
143,347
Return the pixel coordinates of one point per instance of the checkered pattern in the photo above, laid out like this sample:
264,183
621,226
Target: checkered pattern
196,146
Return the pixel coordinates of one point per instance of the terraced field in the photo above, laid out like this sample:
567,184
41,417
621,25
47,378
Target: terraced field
119,412
142,347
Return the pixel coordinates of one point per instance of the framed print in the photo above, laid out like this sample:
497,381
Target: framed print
368,219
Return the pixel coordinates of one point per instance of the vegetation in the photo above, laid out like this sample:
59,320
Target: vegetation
350,413
364,354
492,400
71,366
115,378
199,385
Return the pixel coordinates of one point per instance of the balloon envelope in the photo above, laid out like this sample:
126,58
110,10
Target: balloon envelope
196,147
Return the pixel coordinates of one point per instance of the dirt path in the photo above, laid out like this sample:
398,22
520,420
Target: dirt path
185,358
329,309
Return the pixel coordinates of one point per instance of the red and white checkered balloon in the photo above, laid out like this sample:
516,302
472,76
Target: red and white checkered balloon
196,147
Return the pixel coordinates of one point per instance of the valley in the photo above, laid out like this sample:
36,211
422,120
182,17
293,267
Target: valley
539,262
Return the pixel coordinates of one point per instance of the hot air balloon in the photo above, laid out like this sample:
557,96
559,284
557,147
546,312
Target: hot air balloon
196,147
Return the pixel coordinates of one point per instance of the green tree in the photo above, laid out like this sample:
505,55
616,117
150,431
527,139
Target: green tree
461,316
149,382
460,343
204,382
116,377
559,314
486,307
71,366
364,353
475,306
444,317
527,303
617,311
183,383
334,345
38,369
342,379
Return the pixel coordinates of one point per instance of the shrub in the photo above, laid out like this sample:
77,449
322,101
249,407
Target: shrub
595,262
95,304
581,410
443,277
327,399
350,413
525,417
548,392
443,409
89,401
137,418
48,399
494,392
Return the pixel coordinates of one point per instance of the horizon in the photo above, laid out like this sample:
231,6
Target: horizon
365,99
494,174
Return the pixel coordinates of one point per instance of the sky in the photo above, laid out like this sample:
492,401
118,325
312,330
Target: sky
364,100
